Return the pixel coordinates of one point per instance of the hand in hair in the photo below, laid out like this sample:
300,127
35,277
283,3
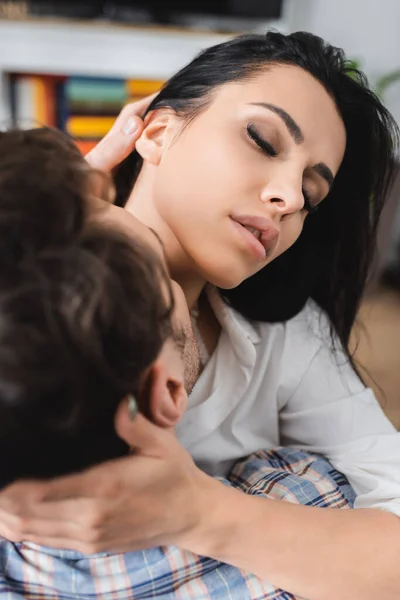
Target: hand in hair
163,500
121,139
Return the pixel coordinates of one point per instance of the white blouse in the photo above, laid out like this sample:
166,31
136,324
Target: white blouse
283,384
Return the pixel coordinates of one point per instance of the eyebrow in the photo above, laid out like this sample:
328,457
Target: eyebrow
296,133
290,123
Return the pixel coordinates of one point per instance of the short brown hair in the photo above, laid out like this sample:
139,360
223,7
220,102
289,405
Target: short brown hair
82,313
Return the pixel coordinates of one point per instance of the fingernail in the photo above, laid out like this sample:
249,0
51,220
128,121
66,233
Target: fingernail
132,408
130,126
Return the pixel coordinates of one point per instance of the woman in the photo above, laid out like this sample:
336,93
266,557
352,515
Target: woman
238,151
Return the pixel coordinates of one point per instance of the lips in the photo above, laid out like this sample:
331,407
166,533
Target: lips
262,231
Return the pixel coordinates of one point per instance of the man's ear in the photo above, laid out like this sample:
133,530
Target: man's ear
159,128
162,397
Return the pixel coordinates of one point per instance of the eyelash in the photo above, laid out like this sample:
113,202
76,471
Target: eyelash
308,207
260,141
272,153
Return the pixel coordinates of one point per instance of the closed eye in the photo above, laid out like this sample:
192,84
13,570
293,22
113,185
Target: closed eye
260,141
270,151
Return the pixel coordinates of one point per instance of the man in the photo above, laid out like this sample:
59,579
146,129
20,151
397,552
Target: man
91,329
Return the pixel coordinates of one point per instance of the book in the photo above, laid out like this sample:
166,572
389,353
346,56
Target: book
85,89
139,88
83,107
25,103
88,127
33,100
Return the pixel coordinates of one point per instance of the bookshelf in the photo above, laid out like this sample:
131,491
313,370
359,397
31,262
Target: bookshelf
93,49
104,49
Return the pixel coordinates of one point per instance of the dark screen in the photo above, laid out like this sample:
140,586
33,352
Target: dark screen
263,9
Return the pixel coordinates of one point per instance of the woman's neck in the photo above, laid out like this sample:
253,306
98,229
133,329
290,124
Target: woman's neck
192,287
180,264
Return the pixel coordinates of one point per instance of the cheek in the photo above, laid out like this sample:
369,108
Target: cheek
204,173
192,187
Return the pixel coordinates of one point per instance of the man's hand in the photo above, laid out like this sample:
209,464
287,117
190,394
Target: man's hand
155,497
121,139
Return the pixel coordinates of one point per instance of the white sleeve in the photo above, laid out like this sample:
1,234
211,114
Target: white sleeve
332,413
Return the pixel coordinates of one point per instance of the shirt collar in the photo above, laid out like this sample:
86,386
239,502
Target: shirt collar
230,319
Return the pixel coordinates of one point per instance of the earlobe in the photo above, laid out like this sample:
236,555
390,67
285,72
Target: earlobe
156,135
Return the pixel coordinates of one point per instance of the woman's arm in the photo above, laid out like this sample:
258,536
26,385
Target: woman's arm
317,553
159,497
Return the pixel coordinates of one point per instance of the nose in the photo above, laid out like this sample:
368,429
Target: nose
285,199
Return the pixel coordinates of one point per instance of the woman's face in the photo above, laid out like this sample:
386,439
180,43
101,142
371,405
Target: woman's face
236,184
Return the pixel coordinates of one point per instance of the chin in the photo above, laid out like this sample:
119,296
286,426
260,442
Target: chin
227,280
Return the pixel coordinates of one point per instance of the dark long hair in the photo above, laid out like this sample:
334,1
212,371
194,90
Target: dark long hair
330,261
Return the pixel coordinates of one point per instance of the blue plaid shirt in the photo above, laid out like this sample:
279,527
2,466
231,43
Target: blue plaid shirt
39,573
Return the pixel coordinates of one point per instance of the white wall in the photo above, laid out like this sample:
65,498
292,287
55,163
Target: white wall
42,46
368,30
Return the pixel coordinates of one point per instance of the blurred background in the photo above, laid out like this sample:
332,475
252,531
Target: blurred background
74,64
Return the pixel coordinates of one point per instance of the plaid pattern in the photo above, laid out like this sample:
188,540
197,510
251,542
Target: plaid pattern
35,573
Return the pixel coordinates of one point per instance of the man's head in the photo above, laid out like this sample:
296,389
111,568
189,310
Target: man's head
87,314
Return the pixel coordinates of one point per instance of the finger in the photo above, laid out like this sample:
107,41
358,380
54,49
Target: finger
97,482
80,520
134,109
69,525
80,485
25,490
110,546
14,501
139,433
116,539
61,544
18,527
116,145
121,139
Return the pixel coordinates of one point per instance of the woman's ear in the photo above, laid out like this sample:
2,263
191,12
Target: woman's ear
158,132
